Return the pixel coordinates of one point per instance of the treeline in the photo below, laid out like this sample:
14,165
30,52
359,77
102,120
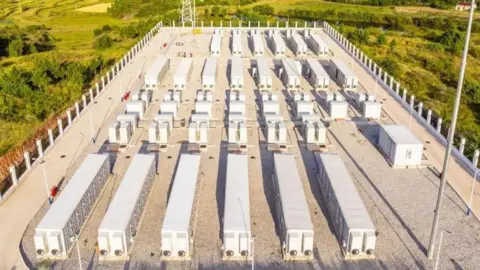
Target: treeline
16,41
225,2
432,3
143,8
107,35
36,93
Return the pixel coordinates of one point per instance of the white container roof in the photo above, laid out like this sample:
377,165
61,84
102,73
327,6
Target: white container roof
278,40
210,68
294,204
299,41
121,208
263,68
354,211
66,203
317,68
346,71
182,195
290,67
157,66
257,41
401,134
236,67
237,198
216,42
318,40
184,67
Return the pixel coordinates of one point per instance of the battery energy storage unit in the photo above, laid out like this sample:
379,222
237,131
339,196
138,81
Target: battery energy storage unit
71,209
236,45
237,242
343,75
257,45
277,45
215,45
401,147
264,76
157,72
209,74
293,215
299,47
316,75
291,76
236,74
136,107
119,226
317,45
183,73
177,228
349,216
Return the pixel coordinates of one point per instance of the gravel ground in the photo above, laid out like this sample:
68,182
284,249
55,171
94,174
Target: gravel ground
400,202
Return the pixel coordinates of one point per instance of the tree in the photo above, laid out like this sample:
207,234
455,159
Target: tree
206,12
216,11
107,28
103,42
15,48
393,44
264,9
381,39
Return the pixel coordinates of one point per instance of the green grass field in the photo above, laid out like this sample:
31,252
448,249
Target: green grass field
72,31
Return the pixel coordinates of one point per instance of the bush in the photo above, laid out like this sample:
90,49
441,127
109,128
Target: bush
15,48
107,28
381,39
264,9
97,32
103,42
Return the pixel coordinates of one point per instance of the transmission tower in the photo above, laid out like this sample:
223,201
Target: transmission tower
188,13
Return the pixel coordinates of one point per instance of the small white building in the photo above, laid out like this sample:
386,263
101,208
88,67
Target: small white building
338,109
303,107
120,132
268,95
400,146
175,96
343,75
236,95
143,95
372,109
276,130
130,118
198,129
183,73
237,128
204,95
135,107
270,107
169,107
237,106
203,107
160,129
314,131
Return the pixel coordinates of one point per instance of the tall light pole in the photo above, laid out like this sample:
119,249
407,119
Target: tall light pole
91,124
46,180
253,252
458,94
411,114
73,239
469,209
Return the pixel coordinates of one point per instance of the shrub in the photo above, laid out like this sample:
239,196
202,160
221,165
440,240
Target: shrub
15,48
103,42
97,32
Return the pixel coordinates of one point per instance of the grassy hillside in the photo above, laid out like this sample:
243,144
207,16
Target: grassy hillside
50,52
418,44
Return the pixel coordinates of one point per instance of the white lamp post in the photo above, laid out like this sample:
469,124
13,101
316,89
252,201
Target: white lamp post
411,113
73,239
469,209
46,180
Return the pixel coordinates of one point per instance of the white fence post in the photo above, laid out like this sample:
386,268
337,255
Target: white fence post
476,154
60,126
40,147
461,148
26,157
439,125
69,117
13,175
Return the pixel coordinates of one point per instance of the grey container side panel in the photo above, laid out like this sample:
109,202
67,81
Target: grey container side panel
73,206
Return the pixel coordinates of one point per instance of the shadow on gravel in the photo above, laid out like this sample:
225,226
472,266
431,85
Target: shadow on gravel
267,170
387,203
221,181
